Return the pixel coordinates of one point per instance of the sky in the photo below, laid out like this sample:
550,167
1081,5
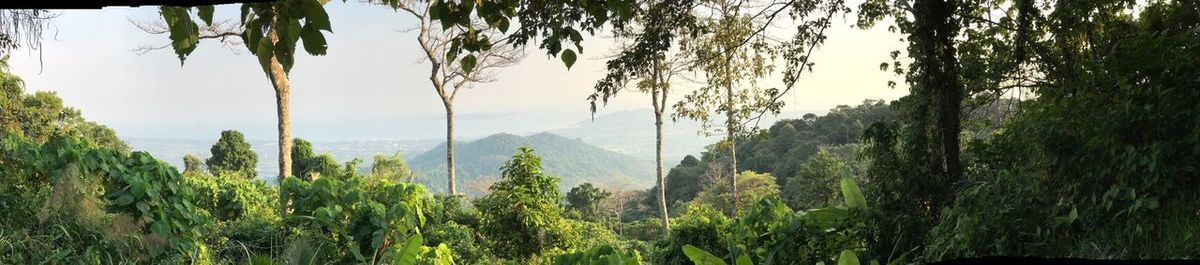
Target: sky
371,84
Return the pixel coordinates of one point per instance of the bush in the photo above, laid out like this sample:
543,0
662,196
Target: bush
700,225
361,223
521,218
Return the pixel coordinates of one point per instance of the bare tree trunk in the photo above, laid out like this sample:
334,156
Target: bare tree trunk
731,135
279,80
450,146
658,160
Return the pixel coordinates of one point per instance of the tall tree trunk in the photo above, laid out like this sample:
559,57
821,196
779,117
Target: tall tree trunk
731,136
658,155
935,32
279,80
449,145
950,89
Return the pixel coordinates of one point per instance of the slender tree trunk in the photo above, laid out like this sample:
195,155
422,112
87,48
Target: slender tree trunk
450,146
731,135
658,159
279,80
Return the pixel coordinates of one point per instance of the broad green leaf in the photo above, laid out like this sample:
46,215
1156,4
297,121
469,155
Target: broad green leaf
408,253
184,33
744,260
314,14
701,257
206,14
848,258
568,58
854,196
125,199
314,41
138,189
502,24
825,218
468,63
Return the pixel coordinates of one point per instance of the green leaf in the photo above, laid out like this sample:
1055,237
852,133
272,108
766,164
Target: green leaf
701,257
452,53
184,33
825,218
568,58
138,189
854,196
502,24
315,15
848,258
408,253
744,260
265,51
468,63
125,199
314,41
206,14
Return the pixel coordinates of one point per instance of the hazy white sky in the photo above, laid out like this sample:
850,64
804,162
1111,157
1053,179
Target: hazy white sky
369,86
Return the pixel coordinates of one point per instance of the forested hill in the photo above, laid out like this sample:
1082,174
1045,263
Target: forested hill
478,162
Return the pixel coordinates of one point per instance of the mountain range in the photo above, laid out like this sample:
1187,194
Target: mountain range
478,162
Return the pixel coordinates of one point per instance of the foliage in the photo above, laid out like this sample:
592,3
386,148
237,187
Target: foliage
232,155
752,187
586,200
148,194
271,30
42,115
192,164
785,147
521,217
555,21
683,182
702,226
648,229
815,183
308,166
364,223
771,233
392,168
600,255
454,221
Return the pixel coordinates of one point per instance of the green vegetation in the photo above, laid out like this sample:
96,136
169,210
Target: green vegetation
232,155
1100,162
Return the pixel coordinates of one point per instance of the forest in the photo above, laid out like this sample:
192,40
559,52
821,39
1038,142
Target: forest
1030,128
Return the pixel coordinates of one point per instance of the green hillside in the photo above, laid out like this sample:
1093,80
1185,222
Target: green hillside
572,160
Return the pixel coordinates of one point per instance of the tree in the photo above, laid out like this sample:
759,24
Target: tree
561,21
192,164
648,61
41,116
308,165
447,75
586,198
731,72
232,154
754,187
816,183
270,31
521,214
392,168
